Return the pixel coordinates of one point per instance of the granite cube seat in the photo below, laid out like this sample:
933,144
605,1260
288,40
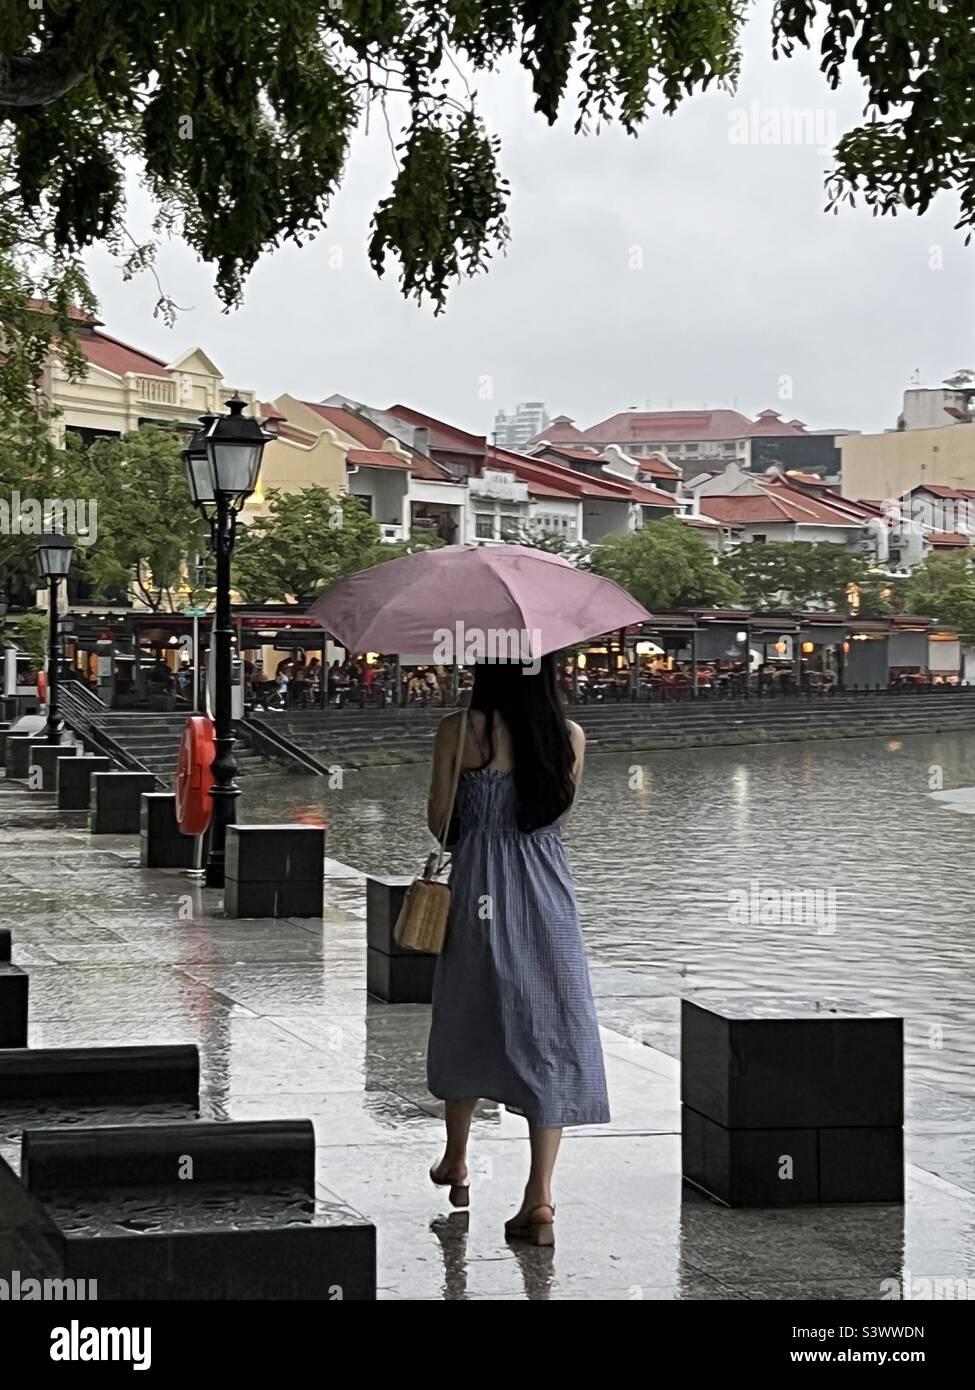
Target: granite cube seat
74,780
162,845
116,801
6,943
45,760
393,973
787,1102
16,754
235,1213
274,871
168,1071
14,990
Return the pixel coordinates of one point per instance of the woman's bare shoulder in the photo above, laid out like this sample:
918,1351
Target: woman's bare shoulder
450,725
577,734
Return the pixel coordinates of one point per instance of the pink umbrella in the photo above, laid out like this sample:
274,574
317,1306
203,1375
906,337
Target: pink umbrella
472,603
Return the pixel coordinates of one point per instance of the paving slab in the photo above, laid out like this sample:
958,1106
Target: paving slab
119,954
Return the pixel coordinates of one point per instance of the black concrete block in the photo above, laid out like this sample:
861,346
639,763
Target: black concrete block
777,1063
274,853
17,754
5,944
162,844
170,1071
183,1156
74,781
45,759
288,898
384,898
861,1165
14,989
400,979
260,1254
749,1167
116,800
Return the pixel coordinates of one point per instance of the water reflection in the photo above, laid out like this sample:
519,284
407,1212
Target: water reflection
659,857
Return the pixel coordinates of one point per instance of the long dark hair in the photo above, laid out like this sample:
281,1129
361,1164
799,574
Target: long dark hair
531,707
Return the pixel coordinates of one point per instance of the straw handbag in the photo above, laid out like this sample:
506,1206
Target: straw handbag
422,922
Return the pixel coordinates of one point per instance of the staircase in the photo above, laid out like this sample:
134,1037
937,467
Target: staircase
355,737
153,740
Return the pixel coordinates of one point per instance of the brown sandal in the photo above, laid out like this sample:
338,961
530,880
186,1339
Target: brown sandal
460,1192
533,1227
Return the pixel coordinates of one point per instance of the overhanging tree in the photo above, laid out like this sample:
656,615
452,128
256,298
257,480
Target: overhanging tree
799,574
239,116
944,588
665,565
307,540
148,533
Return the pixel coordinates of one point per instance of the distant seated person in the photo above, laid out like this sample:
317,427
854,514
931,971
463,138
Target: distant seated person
161,675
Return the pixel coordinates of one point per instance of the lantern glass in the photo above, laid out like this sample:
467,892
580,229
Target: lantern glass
54,555
236,466
196,460
235,448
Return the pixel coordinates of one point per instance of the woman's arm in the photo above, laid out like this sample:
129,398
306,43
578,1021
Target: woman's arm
442,773
578,737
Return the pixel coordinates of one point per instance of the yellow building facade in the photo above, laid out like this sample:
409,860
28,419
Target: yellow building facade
880,467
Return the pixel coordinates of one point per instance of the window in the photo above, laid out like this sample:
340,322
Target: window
759,540
691,448
484,526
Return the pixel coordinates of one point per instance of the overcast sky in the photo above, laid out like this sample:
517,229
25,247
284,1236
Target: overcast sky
684,268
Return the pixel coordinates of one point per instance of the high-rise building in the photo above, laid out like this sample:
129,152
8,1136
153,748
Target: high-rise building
514,431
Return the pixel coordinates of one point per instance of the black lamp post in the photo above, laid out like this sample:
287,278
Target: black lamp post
53,564
223,462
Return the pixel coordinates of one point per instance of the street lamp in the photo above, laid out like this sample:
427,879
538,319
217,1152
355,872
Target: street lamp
223,462
53,563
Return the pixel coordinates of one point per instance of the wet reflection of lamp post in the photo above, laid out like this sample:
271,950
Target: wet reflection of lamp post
223,463
53,564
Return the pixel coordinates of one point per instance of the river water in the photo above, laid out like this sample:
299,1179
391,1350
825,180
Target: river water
682,859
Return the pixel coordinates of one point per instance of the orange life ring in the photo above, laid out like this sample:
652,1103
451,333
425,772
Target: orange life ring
42,687
197,750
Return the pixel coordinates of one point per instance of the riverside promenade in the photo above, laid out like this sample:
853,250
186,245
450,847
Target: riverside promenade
119,954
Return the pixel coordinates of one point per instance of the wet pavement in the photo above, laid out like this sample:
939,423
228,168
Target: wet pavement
119,954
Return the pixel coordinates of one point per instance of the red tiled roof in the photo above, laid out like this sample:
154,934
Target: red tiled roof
44,306
948,539
657,467
779,504
771,422
843,506
538,489
364,431
268,411
678,426
574,484
945,493
376,458
442,435
371,437
651,496
114,356
561,430
588,455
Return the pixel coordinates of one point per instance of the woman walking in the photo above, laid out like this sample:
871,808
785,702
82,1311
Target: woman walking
513,1014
